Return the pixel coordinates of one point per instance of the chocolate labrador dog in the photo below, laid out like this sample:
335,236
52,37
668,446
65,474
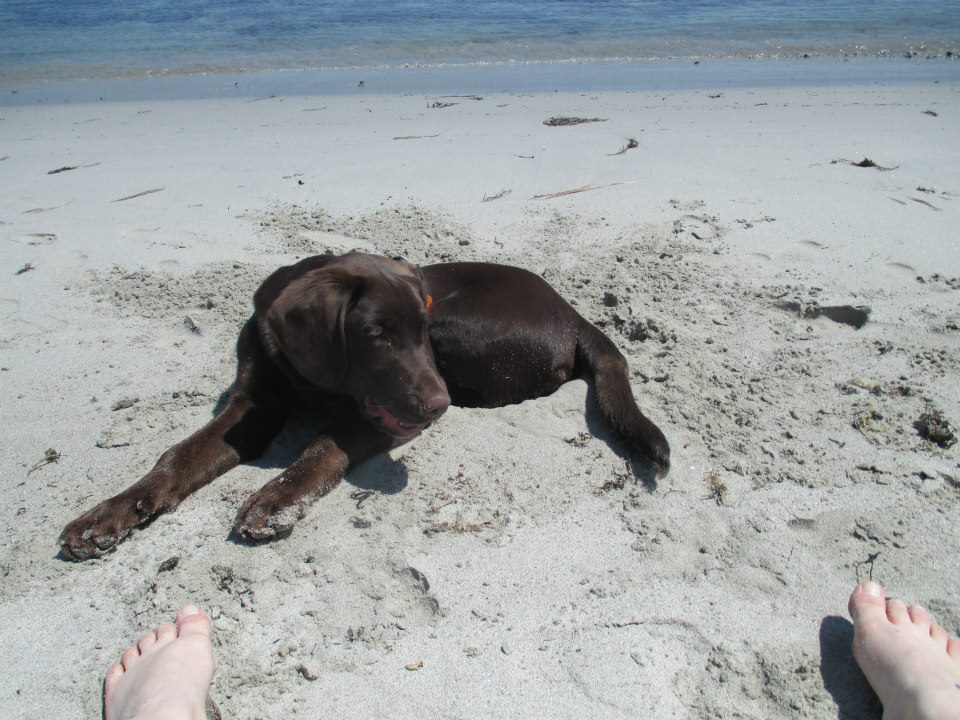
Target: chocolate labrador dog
396,345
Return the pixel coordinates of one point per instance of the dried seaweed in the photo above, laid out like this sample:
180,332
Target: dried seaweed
631,144
562,120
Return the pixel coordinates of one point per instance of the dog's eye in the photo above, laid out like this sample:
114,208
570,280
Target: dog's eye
373,331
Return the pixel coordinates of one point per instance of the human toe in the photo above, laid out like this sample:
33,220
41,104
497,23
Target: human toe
191,620
166,633
919,616
953,648
113,674
939,636
146,641
187,610
897,612
130,657
868,603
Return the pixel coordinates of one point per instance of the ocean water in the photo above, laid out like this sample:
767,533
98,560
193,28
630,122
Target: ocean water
98,39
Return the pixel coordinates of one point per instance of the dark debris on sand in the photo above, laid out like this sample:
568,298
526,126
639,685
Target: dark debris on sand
562,120
865,163
934,427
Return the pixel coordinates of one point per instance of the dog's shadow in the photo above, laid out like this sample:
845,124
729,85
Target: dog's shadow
380,473
383,474
841,675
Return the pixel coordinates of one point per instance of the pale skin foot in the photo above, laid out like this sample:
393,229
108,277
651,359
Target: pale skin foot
912,664
165,676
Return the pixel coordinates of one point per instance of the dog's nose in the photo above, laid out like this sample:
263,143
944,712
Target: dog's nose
436,405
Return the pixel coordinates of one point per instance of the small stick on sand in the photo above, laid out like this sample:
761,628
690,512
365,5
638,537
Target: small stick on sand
43,209
139,194
924,202
584,188
415,137
65,168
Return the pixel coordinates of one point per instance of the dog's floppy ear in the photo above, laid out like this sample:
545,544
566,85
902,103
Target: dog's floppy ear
306,320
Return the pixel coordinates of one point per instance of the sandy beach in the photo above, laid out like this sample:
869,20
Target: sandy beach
509,556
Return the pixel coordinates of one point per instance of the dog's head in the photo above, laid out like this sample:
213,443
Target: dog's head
357,324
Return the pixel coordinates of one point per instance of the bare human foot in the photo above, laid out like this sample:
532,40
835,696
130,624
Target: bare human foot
165,676
912,664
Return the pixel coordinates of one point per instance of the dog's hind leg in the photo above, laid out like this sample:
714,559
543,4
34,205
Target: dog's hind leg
240,432
609,371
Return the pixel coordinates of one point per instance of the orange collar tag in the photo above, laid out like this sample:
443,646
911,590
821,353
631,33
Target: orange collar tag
429,302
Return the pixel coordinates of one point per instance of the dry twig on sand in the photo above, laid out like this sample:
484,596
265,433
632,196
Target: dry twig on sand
924,202
42,209
139,194
584,188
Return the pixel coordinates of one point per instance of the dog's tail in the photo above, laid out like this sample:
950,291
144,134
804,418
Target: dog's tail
609,371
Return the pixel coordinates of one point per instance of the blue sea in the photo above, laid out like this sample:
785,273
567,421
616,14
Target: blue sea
57,40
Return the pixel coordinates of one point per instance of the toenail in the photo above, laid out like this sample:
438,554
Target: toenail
872,588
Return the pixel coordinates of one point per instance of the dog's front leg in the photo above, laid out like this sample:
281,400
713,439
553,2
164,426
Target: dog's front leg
241,432
274,508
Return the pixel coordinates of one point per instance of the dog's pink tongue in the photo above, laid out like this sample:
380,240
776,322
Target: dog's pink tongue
389,421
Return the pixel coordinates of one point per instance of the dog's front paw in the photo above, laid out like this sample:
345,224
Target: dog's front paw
264,516
97,532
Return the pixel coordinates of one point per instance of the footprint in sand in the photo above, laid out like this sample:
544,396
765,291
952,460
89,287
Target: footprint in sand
855,317
700,227
775,678
648,650
8,306
418,593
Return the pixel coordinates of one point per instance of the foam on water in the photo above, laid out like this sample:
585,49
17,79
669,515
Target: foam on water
55,40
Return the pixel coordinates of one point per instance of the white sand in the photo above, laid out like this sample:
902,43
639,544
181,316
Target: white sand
512,556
